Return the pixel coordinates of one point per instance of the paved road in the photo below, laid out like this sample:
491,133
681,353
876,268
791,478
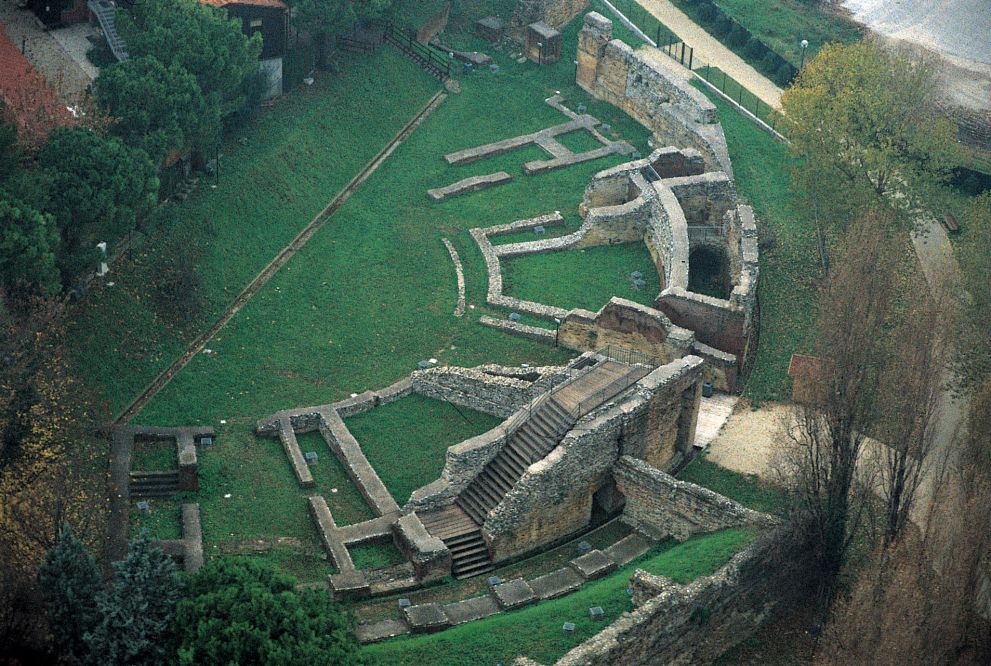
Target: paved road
708,50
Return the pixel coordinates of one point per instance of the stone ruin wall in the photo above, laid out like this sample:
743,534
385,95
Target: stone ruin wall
555,13
554,497
693,623
660,505
655,92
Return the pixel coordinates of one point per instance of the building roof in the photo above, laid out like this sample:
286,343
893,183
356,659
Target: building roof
275,4
30,102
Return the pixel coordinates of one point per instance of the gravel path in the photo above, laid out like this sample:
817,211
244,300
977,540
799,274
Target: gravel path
708,50
751,439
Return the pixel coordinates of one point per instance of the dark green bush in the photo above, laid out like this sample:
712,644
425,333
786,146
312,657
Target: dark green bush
786,72
722,27
755,50
770,63
706,13
738,35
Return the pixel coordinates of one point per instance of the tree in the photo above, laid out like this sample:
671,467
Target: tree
70,582
828,438
972,361
328,18
237,611
926,600
28,244
137,611
200,39
157,108
98,187
864,121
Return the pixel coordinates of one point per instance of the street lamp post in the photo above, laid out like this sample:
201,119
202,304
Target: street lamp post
805,45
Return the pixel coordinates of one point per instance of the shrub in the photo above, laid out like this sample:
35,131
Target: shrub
738,35
242,612
722,27
770,63
706,13
755,50
786,72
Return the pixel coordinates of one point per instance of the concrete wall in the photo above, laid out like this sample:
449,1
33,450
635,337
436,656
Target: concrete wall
651,88
553,498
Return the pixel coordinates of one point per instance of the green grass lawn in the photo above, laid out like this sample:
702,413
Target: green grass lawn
790,271
406,441
640,17
155,456
741,95
163,520
535,631
746,489
578,141
783,24
582,278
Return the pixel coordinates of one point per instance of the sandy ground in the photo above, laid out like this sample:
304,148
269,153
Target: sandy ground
750,440
708,50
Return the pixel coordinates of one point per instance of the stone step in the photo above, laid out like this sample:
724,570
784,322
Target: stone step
468,549
497,481
513,460
503,471
170,474
488,495
460,540
470,507
473,570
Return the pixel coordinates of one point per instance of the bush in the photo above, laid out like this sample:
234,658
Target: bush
786,72
755,50
706,13
242,612
738,35
722,27
770,63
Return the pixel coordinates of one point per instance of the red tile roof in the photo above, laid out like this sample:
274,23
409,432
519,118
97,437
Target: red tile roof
30,102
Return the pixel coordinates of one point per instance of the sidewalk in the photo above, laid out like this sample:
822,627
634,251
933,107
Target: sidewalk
708,50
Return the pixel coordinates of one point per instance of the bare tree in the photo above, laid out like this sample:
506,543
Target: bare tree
913,451
828,436
926,598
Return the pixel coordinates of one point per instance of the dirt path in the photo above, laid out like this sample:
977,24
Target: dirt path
751,439
708,50
278,262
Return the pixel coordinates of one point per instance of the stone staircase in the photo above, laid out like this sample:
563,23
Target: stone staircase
459,525
531,442
146,485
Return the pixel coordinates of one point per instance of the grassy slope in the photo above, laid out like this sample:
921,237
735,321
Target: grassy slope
563,278
745,489
285,167
388,434
536,631
783,24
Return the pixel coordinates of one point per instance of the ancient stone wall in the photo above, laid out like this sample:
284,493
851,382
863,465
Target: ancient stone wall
554,496
694,623
628,325
715,322
661,505
555,13
470,387
655,92
704,198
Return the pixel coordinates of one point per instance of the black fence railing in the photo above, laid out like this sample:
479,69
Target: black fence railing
421,53
356,45
626,355
678,50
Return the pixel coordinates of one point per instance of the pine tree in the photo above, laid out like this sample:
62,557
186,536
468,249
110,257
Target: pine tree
136,612
70,581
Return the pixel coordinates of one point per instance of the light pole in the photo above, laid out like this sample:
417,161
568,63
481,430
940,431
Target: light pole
804,44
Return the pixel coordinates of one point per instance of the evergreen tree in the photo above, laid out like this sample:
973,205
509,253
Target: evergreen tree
242,612
137,610
70,582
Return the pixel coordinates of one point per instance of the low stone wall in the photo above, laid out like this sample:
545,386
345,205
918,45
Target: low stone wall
654,91
661,505
473,388
627,325
694,623
430,557
705,198
554,496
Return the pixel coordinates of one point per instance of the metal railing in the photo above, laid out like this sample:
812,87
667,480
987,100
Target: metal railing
407,43
705,232
356,45
626,355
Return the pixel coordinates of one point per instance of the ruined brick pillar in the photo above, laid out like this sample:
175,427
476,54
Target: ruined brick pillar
592,40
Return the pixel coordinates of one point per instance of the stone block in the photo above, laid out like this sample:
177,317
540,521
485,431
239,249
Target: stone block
380,631
431,559
425,618
472,609
467,185
593,565
514,594
557,583
348,585
628,549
